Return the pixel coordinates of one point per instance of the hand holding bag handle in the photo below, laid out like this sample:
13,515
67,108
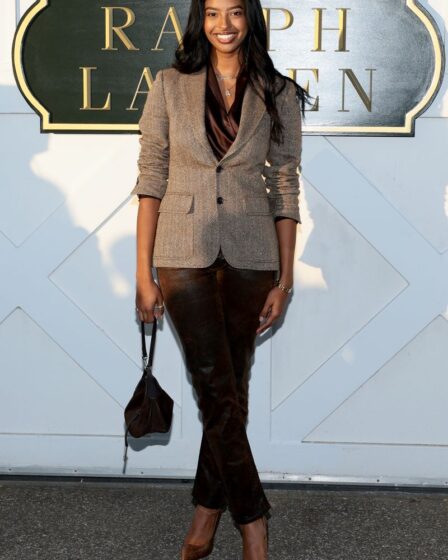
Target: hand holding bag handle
150,408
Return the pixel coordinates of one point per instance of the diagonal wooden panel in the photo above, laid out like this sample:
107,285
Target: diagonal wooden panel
44,390
23,208
395,238
99,277
410,176
341,282
402,403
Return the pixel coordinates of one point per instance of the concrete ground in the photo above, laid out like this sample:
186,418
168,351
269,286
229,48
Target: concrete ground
87,519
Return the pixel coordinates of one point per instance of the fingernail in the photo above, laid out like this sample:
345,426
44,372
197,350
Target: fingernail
261,318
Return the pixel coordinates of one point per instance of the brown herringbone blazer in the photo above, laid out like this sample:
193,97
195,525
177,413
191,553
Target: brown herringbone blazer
206,202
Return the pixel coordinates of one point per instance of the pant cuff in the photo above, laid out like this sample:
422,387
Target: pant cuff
210,505
243,519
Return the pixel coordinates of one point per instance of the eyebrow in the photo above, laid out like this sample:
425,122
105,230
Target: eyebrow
232,8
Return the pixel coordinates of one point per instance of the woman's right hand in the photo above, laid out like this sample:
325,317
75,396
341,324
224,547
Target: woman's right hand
148,295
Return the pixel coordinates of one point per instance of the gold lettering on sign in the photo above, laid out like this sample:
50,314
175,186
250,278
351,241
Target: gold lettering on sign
342,13
367,100
173,17
147,76
289,19
87,91
110,29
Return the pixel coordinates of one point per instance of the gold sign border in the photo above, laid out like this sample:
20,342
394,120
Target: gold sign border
46,125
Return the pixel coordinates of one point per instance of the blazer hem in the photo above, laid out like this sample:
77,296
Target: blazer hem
182,263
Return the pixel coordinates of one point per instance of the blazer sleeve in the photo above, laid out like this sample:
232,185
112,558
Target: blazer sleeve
282,174
153,160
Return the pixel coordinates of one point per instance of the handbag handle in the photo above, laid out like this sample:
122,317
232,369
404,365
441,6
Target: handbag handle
148,361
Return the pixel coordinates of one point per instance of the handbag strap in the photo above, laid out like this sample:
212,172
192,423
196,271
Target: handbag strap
144,356
152,344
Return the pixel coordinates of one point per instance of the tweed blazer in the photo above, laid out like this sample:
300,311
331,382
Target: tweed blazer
206,202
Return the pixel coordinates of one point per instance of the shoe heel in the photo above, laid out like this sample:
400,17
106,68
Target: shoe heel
197,551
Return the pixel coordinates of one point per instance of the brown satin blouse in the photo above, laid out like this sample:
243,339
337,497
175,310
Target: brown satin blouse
222,126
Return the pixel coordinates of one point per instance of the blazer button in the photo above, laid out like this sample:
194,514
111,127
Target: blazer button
218,169
219,200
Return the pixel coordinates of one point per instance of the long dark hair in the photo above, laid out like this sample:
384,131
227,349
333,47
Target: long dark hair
193,53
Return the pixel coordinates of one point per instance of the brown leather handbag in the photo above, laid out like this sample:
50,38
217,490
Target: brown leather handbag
150,408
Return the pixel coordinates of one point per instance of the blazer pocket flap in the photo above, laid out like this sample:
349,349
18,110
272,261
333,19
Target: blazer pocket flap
257,205
176,202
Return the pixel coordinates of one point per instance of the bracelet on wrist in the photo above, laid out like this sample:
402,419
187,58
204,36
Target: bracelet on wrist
283,287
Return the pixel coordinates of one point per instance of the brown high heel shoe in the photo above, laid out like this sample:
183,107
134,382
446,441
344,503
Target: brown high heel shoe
255,539
196,551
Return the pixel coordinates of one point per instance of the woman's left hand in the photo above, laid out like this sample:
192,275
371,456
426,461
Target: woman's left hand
272,309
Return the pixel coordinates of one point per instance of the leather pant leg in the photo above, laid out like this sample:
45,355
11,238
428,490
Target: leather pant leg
243,293
215,312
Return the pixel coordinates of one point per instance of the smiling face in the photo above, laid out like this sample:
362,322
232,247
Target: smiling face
225,24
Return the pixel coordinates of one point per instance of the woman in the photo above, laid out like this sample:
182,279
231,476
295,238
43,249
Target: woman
224,263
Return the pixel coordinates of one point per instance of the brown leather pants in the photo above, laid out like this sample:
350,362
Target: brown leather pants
215,312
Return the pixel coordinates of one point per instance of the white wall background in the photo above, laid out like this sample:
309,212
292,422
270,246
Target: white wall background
353,384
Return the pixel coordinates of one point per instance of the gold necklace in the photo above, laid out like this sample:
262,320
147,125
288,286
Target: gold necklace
221,77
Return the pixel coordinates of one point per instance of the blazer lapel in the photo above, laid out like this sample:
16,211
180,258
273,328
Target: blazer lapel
252,110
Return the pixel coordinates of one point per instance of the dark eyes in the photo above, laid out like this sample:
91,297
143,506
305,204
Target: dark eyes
235,13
